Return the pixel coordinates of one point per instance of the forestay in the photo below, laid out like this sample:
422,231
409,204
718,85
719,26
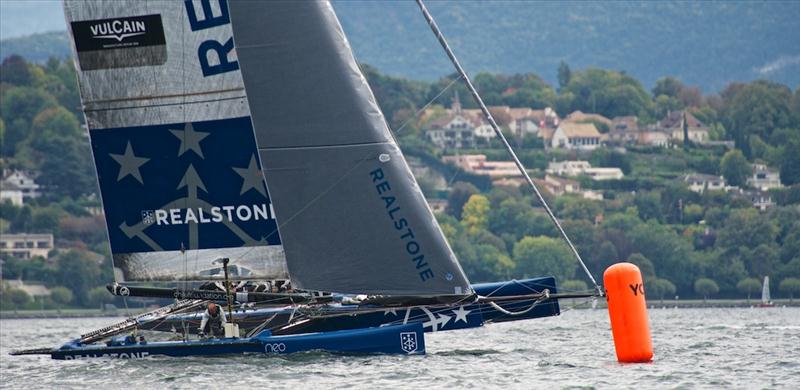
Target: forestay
352,217
172,139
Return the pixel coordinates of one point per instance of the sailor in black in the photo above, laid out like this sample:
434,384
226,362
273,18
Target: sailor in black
213,321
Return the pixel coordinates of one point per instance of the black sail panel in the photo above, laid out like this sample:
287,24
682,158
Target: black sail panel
351,215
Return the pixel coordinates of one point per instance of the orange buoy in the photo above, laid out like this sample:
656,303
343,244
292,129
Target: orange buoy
628,311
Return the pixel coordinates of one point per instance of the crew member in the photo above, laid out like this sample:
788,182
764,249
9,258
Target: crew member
213,321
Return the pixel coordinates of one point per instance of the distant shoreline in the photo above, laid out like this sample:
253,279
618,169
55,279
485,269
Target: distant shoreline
565,303
691,303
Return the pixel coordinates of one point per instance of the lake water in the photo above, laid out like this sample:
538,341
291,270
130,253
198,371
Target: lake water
695,348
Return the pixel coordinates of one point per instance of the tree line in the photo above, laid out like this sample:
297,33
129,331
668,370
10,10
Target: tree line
677,237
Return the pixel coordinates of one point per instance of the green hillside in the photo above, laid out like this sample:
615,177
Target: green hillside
708,44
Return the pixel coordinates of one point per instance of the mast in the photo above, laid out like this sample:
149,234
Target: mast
500,135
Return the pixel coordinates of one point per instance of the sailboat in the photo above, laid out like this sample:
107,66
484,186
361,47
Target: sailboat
766,301
243,159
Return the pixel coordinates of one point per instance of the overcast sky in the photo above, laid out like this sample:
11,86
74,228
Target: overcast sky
24,17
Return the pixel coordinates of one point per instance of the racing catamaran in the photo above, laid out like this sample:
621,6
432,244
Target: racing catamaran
242,158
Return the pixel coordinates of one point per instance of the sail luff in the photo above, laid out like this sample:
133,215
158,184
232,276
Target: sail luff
352,216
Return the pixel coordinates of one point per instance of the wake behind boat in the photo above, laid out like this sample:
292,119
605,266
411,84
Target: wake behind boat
219,179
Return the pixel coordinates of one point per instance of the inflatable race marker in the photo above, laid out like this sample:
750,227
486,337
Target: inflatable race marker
628,312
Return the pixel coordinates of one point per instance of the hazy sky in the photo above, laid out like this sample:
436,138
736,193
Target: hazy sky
23,17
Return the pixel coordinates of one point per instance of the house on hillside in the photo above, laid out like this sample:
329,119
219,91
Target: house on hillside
34,290
582,117
764,178
459,129
572,135
10,192
577,168
700,183
478,165
528,122
673,125
26,246
761,200
624,130
654,138
521,121
24,182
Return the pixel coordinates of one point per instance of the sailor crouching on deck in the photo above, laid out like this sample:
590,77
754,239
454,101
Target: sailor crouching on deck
213,321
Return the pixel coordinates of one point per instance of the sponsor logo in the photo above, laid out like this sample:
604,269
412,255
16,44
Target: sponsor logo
408,341
118,33
215,214
131,355
274,348
118,29
105,43
413,248
148,217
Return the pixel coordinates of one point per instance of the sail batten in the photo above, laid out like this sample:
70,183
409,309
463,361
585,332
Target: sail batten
352,217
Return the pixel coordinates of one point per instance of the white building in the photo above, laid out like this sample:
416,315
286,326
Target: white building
10,192
577,168
571,135
24,182
477,164
700,183
26,246
764,178
460,129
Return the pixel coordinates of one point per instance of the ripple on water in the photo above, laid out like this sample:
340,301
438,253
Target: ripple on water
574,350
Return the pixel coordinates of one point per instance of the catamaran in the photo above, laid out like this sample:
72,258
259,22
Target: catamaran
243,159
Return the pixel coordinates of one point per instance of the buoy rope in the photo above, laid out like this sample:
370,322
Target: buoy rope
500,135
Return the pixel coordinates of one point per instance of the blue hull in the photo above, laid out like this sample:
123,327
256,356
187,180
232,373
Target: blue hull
432,319
402,339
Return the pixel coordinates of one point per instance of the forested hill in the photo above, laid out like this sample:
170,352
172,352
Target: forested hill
707,44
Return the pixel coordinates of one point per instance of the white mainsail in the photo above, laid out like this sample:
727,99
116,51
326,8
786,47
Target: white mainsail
765,298
172,140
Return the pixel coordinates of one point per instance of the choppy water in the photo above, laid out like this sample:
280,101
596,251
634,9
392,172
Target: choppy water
695,348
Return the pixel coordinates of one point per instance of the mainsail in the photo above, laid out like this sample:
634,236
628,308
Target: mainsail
352,217
172,140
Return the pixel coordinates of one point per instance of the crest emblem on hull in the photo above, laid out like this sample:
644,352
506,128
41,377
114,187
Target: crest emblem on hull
408,341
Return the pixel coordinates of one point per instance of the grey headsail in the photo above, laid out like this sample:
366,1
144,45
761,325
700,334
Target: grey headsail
172,139
352,217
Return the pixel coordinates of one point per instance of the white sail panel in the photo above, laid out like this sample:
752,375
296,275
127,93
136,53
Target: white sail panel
172,140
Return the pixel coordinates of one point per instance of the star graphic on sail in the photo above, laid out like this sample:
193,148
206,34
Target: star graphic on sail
190,139
252,177
129,164
461,314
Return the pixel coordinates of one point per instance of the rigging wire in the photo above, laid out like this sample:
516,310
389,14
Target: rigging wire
440,37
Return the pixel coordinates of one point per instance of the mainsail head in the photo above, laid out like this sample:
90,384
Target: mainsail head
172,140
352,216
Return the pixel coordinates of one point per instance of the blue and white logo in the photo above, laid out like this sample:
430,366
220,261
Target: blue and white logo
408,341
179,186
